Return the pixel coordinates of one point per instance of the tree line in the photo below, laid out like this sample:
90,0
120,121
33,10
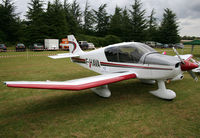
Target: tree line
59,19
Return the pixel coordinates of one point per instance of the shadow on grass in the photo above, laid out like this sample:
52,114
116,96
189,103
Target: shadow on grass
43,110
86,98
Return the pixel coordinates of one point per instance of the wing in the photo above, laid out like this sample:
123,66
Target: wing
78,84
186,57
64,55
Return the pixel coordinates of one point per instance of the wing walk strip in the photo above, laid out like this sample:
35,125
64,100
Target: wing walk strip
79,60
79,84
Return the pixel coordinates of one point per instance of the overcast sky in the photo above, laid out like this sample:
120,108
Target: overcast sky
187,11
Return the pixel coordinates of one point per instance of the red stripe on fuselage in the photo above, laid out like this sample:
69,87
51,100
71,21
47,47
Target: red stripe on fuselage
133,66
79,59
124,65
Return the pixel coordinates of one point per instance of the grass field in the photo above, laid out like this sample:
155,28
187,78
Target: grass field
130,112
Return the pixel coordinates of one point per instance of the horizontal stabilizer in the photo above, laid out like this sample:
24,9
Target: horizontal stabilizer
64,55
77,84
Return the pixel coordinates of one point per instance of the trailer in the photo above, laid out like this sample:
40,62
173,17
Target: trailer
51,44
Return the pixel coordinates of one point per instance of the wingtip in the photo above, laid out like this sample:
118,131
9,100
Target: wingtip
5,82
51,57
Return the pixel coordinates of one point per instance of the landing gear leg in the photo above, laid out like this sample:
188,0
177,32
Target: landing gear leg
102,91
162,92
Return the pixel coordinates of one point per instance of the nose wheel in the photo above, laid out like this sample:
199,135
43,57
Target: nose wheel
162,92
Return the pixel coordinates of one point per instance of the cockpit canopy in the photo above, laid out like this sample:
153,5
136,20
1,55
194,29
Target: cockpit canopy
127,52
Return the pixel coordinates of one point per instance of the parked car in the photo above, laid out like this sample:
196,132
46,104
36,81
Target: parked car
171,45
91,46
83,45
165,46
151,43
159,45
20,47
3,48
37,47
179,45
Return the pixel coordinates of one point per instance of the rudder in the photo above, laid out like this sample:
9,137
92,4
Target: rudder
74,47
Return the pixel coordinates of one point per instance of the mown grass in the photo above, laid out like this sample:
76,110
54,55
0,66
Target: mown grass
130,112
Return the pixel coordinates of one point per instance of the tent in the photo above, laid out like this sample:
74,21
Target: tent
193,43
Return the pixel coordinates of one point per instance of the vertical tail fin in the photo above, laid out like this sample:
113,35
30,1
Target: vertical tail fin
74,47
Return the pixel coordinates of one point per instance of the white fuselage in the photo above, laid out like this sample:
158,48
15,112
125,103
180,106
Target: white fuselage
96,61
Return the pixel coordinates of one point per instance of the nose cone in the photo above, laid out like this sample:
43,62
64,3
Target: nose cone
188,66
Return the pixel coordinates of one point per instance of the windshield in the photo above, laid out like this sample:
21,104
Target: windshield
146,48
129,53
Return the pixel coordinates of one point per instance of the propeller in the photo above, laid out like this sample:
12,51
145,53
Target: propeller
187,66
182,61
192,74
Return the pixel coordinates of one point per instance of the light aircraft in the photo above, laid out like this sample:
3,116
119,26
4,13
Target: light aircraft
115,63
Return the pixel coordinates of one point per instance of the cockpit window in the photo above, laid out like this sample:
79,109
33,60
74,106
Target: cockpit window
130,53
112,54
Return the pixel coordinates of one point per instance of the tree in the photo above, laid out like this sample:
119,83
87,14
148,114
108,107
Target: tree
8,22
88,19
56,21
75,16
138,21
21,31
116,22
69,18
36,27
126,26
168,30
152,31
101,20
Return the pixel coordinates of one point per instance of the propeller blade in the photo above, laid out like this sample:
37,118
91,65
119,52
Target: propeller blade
187,66
182,61
192,74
